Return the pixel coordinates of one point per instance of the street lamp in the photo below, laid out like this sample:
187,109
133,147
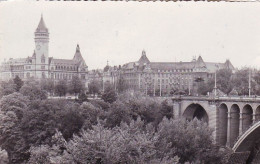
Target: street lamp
189,78
249,83
215,87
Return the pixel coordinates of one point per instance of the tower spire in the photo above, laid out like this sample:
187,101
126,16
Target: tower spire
41,26
77,55
77,49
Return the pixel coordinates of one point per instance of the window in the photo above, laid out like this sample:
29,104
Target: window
43,59
28,75
42,67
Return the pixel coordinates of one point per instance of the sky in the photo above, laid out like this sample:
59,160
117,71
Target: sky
117,32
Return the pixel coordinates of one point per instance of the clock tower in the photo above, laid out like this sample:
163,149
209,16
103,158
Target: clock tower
41,50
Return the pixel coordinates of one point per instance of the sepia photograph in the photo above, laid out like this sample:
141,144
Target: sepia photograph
132,82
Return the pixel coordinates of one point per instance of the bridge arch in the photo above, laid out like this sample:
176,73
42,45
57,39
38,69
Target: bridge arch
249,139
247,117
234,123
222,115
257,114
196,111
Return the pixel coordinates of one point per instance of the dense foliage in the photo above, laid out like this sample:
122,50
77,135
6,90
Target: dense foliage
126,128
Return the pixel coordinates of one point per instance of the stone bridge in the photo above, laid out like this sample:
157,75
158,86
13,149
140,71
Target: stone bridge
229,117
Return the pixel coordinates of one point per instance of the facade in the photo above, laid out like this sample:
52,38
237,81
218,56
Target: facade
162,78
40,65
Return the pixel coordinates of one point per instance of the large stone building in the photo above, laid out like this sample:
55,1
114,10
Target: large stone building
40,65
161,78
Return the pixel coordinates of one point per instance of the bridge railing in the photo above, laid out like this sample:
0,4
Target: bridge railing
227,98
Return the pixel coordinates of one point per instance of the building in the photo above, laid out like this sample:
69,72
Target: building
40,65
162,78
95,75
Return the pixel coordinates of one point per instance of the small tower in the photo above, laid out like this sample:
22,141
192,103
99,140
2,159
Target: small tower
143,60
41,49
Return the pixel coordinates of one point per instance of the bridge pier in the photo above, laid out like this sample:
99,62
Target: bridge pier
213,118
241,123
176,109
254,118
228,129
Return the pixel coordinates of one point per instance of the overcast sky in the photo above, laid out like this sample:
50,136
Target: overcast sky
119,31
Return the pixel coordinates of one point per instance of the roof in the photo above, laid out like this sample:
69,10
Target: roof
229,65
213,67
77,55
171,65
17,61
129,65
200,63
64,61
143,58
41,26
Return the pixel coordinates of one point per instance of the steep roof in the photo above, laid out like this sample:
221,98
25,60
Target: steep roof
41,26
77,56
143,59
200,63
228,65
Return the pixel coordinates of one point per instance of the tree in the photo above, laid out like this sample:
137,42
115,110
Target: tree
190,140
47,85
12,107
93,87
18,83
61,88
199,81
7,88
133,143
122,85
82,97
205,87
117,114
33,91
76,85
224,82
240,81
109,94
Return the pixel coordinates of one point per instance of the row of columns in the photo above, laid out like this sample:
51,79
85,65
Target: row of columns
233,123
231,138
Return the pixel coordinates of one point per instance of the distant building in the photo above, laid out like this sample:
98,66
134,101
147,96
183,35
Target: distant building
95,75
161,78
40,65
